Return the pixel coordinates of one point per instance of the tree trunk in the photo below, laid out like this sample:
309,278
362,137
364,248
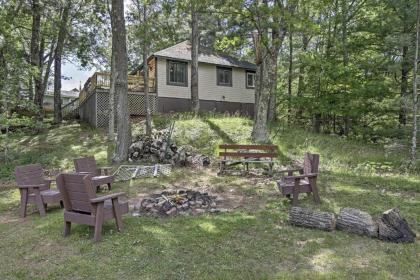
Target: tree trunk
195,38
259,130
345,59
146,74
266,86
415,95
258,73
355,221
35,56
112,95
301,82
58,115
405,64
290,73
317,123
313,219
394,228
272,74
404,86
120,82
48,67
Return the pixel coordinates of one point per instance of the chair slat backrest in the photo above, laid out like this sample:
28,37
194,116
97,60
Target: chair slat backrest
77,190
31,174
310,163
86,164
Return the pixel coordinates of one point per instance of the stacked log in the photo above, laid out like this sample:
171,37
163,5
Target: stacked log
394,228
157,149
389,227
313,219
356,221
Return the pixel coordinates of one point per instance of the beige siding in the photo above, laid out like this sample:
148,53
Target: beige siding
207,85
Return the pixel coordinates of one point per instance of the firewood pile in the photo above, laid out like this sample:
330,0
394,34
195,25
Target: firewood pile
159,149
390,226
179,202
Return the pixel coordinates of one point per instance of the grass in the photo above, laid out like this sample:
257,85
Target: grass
252,242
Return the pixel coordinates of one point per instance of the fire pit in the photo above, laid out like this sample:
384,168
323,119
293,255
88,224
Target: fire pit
184,202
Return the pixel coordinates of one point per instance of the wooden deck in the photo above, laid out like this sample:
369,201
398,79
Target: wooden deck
102,80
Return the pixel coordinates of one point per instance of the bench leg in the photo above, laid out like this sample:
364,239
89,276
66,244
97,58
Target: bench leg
295,193
109,186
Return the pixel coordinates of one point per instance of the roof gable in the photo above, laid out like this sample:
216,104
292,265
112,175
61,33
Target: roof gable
182,51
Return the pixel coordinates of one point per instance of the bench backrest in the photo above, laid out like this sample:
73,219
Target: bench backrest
310,163
31,174
77,190
255,151
86,164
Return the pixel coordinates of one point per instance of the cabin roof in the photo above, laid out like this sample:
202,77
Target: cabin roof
182,51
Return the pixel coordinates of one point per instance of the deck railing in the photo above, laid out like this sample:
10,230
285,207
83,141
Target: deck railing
102,80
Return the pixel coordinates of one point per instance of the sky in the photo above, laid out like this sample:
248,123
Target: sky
76,75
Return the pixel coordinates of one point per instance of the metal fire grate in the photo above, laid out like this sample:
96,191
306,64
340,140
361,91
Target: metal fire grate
128,172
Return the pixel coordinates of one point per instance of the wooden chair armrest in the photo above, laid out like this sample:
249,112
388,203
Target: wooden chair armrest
35,186
303,176
106,197
85,172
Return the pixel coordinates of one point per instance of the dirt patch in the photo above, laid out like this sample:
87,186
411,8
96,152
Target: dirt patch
233,192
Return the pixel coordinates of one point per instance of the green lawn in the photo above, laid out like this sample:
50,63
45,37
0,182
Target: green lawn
253,241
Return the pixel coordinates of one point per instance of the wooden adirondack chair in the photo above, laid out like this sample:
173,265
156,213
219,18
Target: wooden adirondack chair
87,165
305,182
34,188
82,206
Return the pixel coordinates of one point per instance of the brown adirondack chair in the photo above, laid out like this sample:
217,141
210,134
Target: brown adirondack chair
82,206
35,189
87,165
305,182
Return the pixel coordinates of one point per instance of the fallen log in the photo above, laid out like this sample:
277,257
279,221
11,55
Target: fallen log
313,219
356,221
394,228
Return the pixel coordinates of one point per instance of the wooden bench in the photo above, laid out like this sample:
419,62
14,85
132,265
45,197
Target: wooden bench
232,154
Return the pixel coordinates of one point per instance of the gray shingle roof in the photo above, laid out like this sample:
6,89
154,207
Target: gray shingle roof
182,51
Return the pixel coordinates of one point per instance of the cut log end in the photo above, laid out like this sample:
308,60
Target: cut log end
394,228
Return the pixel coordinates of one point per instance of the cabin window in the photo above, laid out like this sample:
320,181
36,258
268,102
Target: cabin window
250,79
224,76
177,73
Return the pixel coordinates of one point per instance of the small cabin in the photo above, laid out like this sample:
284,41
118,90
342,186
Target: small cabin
225,84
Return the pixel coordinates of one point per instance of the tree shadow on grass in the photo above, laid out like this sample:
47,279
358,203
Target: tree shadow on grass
219,131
